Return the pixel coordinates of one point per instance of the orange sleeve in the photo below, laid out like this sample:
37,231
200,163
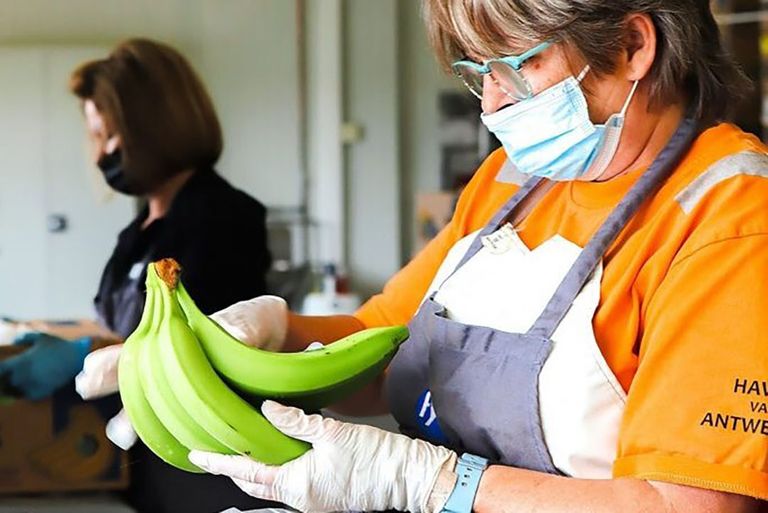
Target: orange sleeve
697,409
403,293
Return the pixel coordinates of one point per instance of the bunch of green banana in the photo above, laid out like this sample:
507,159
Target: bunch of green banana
177,368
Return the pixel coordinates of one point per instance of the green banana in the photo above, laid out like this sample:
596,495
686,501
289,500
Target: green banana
312,379
160,394
149,428
206,398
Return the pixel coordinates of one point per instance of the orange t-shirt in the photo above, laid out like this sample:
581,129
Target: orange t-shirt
683,313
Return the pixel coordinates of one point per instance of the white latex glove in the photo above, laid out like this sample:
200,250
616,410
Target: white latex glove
259,322
120,431
99,378
8,332
350,467
99,375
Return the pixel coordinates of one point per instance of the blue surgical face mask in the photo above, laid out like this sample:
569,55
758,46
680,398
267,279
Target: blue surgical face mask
550,134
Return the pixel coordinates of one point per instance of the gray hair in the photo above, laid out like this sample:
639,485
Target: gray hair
691,62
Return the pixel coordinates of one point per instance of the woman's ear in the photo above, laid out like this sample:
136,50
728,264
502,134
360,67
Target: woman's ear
640,41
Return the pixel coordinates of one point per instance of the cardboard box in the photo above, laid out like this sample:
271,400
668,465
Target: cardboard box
58,444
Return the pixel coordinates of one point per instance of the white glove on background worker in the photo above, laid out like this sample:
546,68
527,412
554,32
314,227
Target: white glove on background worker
99,375
259,322
120,431
350,467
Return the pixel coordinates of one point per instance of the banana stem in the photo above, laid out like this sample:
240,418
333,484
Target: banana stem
168,270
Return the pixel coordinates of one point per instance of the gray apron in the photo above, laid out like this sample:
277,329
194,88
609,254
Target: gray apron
475,389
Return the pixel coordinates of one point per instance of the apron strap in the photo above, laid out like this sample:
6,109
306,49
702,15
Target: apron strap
592,254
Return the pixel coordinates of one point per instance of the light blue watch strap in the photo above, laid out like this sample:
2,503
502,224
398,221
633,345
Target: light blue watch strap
469,470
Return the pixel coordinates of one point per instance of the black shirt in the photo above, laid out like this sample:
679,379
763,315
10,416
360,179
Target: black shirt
218,235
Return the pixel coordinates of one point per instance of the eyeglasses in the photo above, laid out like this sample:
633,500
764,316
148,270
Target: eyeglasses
505,72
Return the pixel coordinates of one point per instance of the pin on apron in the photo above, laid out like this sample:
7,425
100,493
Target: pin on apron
502,361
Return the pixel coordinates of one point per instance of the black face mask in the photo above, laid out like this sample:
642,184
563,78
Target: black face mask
111,166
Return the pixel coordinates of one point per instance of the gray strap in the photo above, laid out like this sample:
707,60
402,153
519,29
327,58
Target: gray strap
593,253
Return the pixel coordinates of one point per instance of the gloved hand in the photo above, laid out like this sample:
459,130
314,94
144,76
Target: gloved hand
350,467
48,364
120,431
259,322
99,375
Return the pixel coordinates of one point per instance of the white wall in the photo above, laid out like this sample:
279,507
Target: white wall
325,158
373,164
249,60
390,84
391,88
46,172
421,81
244,49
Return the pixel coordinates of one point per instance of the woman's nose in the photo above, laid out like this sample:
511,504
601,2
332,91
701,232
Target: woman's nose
494,98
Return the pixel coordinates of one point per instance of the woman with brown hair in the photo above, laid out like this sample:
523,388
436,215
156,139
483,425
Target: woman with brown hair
155,135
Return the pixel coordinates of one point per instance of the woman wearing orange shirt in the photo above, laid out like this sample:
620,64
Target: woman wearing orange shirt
588,333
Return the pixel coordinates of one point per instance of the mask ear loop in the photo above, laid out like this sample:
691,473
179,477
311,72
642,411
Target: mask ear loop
625,108
593,173
583,73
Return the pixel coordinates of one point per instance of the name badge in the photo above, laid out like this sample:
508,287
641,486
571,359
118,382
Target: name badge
136,270
500,241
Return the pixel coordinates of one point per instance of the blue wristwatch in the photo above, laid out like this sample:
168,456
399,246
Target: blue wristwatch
469,470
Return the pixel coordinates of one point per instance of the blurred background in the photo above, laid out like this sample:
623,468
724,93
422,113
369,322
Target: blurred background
335,116
331,112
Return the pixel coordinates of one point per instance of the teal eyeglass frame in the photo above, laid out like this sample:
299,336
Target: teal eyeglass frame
513,61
